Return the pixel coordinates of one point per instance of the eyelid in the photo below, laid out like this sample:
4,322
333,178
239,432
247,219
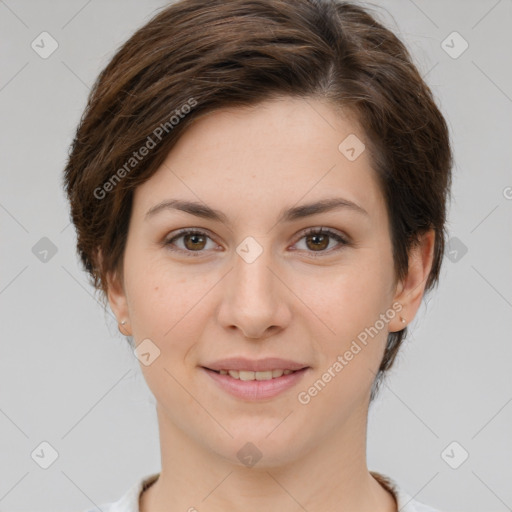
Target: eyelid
342,239
324,230
186,231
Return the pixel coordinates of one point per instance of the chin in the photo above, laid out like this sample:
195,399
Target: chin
256,449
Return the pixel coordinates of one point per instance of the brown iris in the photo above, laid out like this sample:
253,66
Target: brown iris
323,244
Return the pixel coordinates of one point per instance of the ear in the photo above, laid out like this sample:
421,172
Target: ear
410,290
117,299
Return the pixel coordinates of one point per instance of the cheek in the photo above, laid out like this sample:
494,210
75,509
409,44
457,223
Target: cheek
351,305
358,293
352,354
163,300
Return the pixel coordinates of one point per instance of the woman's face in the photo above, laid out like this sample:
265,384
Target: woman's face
256,285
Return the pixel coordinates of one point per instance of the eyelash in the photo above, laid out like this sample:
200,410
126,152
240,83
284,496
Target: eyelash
310,231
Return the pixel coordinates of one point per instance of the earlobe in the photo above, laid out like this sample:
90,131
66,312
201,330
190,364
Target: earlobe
117,299
411,289
118,302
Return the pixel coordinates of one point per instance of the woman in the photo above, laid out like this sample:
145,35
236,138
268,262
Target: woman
259,190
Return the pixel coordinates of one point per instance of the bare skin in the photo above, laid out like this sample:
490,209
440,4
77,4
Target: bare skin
251,164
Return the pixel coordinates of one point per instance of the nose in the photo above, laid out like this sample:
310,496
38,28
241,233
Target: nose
254,300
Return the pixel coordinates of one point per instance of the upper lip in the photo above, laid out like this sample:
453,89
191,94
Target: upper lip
255,365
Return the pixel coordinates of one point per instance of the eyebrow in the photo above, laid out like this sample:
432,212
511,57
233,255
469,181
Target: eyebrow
289,215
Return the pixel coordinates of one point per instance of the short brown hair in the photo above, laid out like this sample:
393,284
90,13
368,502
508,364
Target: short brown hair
195,57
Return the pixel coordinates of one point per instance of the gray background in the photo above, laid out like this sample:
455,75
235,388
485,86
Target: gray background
67,376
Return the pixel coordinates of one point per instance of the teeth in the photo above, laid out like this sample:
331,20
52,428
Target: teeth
248,375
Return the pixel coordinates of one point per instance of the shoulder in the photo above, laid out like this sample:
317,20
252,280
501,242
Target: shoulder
129,501
405,502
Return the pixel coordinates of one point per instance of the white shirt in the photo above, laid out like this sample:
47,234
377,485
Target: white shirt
129,502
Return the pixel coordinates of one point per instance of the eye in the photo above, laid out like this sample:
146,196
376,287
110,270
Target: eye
194,241
318,240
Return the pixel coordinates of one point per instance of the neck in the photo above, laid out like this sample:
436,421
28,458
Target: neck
331,476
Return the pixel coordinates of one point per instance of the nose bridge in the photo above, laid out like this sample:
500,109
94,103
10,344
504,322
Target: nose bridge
252,281
252,300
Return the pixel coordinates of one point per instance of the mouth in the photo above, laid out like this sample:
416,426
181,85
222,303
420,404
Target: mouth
252,386
248,375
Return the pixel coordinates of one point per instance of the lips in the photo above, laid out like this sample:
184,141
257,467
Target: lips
255,389
255,379
269,364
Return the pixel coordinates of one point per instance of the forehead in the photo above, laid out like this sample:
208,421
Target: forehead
283,151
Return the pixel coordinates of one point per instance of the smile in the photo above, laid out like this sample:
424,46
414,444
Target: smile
249,375
255,386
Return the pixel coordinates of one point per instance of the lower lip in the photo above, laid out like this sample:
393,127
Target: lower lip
256,389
